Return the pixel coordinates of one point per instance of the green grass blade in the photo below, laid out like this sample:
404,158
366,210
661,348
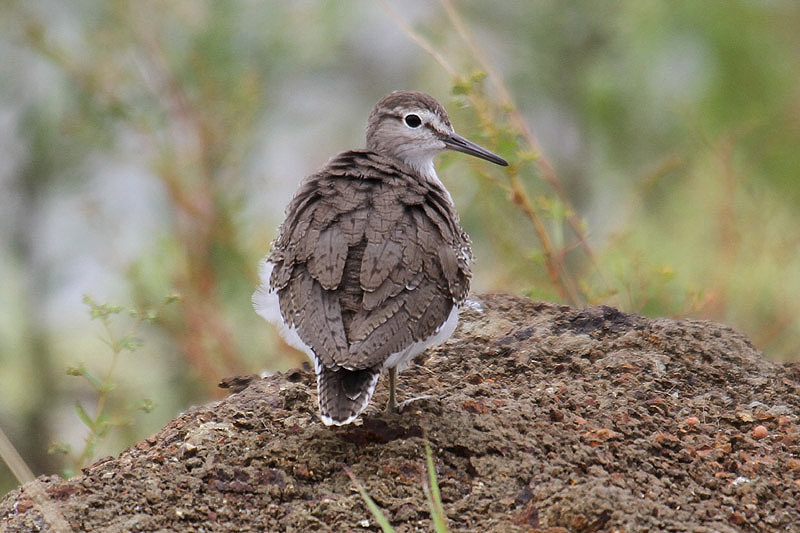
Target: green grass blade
433,495
380,518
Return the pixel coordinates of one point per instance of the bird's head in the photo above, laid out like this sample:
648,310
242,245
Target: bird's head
413,127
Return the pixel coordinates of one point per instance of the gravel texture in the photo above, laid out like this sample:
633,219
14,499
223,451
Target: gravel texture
540,417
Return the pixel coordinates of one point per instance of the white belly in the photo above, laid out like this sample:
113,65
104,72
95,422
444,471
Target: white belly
266,304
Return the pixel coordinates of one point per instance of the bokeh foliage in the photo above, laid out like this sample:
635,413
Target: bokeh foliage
149,148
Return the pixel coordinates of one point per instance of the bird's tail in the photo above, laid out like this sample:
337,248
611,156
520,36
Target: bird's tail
344,394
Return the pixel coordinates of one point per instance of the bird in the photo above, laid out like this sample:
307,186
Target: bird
371,264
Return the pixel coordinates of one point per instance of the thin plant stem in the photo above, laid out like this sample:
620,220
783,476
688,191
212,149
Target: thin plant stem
418,39
102,394
14,460
548,172
560,278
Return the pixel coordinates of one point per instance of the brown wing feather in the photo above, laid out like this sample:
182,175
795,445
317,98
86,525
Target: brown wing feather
380,258
326,263
369,260
322,329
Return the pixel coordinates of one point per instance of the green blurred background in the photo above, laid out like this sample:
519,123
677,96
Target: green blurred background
149,148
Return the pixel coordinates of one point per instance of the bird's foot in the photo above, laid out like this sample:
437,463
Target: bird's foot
391,406
402,405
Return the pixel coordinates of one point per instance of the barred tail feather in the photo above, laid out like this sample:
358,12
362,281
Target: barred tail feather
344,394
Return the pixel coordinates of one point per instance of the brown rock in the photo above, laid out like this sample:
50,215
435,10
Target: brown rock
542,418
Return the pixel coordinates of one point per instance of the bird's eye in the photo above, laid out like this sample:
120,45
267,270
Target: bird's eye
413,121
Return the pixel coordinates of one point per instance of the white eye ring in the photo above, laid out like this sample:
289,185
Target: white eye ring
412,121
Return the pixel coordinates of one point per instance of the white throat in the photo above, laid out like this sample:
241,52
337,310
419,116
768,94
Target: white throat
424,167
423,164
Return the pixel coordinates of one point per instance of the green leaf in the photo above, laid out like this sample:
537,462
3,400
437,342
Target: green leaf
461,87
84,416
130,343
667,272
172,298
59,447
101,311
477,77
146,405
105,387
525,156
79,370
92,379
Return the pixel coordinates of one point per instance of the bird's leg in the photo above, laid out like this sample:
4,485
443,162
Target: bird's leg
392,406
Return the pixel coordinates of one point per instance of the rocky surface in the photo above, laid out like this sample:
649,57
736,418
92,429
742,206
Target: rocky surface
540,418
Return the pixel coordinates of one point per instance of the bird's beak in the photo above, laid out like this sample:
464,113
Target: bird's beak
456,142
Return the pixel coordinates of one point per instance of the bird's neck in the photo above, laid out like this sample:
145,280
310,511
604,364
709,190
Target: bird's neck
424,168
421,166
